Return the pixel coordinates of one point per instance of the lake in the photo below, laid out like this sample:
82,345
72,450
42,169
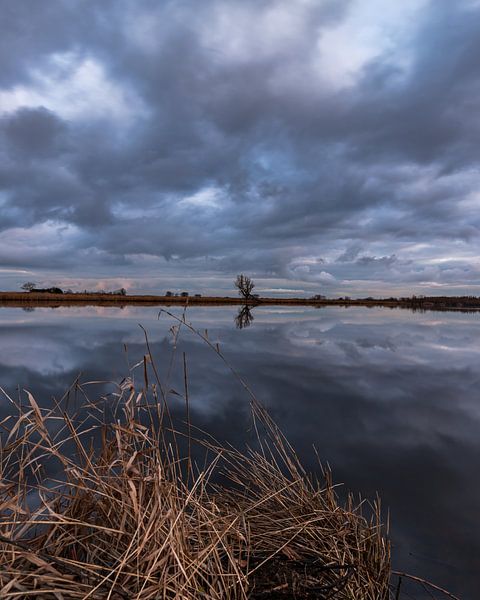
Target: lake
389,399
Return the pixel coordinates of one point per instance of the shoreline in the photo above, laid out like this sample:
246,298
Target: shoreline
32,299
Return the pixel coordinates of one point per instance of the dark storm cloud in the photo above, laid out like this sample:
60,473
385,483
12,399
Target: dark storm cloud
32,133
426,118
175,130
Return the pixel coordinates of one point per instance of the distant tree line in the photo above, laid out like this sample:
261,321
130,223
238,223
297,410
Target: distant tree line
29,286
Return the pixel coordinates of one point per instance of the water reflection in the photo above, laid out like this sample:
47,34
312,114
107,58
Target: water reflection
388,398
244,317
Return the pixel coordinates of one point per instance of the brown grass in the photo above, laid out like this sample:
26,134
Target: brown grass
129,518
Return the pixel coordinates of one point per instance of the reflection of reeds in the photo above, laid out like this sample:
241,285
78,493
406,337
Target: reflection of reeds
114,507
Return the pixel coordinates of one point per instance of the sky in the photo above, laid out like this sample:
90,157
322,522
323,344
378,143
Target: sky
319,146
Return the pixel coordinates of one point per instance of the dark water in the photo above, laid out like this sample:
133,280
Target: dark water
389,398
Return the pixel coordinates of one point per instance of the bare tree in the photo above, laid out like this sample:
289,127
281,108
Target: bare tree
29,286
245,286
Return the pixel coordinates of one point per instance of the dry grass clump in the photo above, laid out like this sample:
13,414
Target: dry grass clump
114,507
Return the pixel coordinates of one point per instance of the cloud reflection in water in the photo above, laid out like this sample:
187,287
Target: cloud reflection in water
389,398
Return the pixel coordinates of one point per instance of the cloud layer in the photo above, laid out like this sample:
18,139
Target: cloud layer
315,145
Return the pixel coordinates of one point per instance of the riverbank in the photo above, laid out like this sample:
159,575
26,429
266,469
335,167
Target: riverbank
33,299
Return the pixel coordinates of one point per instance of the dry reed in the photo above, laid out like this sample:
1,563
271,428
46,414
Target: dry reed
128,517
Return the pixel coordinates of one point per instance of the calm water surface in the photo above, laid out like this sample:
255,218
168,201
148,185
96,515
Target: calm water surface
389,398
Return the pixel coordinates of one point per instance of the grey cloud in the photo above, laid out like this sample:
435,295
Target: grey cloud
32,133
350,254
425,117
384,261
299,169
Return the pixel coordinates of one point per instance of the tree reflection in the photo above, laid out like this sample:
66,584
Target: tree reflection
244,317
